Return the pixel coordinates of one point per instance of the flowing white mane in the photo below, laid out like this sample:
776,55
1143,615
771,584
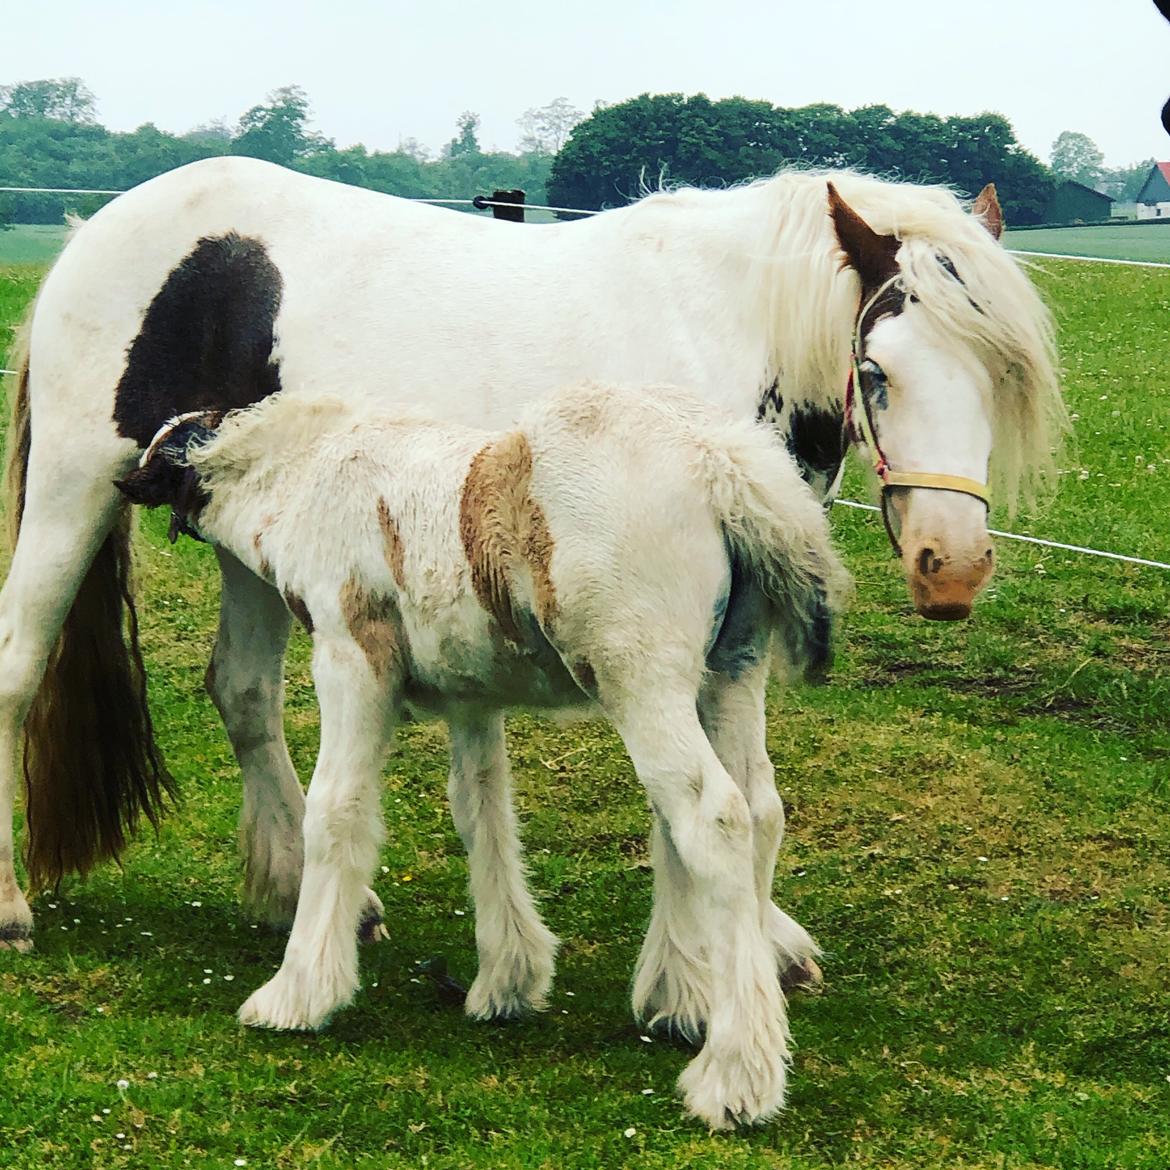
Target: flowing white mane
810,300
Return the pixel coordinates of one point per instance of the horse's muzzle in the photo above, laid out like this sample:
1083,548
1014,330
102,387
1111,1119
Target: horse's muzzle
942,587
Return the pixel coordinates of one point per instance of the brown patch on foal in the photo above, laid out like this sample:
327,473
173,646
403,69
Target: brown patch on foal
265,567
392,542
373,623
503,528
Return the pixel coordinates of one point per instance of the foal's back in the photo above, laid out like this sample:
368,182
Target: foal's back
506,563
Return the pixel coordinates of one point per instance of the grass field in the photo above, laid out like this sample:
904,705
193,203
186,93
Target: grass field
978,834
1143,242
30,243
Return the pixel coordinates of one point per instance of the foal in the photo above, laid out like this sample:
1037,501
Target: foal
632,550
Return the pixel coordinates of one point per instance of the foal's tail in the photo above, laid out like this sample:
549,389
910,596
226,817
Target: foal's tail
778,531
91,767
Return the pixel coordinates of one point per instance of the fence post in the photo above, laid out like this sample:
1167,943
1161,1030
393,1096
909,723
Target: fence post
514,213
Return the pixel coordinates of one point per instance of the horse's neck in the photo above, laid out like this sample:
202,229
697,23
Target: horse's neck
803,353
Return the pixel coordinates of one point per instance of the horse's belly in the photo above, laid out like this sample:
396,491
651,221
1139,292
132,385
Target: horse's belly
454,668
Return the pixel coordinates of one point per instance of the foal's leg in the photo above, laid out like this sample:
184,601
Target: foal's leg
516,950
671,979
732,714
740,1074
342,833
246,682
66,519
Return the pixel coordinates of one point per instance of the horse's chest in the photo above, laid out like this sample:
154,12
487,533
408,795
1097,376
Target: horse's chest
814,434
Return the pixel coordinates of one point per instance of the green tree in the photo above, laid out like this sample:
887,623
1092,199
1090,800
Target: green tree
613,153
63,99
277,130
1124,183
466,141
1075,156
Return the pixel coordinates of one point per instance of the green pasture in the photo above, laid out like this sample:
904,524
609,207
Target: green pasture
31,243
1138,242
978,834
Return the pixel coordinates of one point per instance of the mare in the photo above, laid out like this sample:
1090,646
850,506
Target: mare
838,309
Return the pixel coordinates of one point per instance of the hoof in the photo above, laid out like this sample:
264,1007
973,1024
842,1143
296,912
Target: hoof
446,986
733,1092
805,976
684,1033
16,936
372,925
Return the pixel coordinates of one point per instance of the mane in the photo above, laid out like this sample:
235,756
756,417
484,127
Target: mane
810,301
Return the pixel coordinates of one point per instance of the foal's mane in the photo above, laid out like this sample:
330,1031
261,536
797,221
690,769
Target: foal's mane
808,301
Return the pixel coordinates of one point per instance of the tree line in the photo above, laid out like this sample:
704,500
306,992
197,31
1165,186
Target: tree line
50,137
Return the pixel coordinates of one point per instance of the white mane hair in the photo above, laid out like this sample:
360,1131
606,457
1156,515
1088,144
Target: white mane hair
811,299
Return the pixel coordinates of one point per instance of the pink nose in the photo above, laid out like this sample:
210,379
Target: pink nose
944,588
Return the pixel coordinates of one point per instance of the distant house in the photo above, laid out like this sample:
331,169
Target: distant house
1072,202
1154,197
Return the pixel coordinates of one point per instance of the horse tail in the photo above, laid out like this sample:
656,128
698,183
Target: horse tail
91,767
778,538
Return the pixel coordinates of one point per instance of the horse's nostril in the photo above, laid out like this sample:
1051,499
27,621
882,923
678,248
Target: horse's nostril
989,555
928,562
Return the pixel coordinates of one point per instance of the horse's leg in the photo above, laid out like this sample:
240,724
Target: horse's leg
671,978
740,1074
246,682
732,714
63,525
516,950
342,833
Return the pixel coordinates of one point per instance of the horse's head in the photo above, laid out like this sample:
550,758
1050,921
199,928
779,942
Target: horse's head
164,475
932,389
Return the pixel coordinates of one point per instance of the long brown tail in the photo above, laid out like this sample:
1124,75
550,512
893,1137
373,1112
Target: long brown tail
91,767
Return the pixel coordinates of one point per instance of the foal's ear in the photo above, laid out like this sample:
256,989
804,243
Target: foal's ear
987,210
870,255
159,482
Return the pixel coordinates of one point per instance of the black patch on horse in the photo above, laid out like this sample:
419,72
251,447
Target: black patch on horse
772,404
817,439
206,340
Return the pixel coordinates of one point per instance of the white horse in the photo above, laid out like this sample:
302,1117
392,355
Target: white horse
633,548
796,300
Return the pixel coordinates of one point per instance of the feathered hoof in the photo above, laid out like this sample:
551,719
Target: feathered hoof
805,977
16,926
683,1031
282,1005
733,1090
16,936
371,924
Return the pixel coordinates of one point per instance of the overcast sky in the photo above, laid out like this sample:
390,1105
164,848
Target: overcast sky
378,73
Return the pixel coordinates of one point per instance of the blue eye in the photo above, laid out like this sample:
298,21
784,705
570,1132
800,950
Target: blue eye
873,384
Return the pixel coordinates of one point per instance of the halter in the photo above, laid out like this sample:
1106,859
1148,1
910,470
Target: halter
165,431
860,428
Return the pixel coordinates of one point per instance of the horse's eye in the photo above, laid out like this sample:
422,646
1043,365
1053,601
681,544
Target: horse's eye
874,384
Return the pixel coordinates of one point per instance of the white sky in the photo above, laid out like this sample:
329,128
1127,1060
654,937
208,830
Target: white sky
380,72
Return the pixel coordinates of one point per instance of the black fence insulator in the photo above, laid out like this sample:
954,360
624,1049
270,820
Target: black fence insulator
513,212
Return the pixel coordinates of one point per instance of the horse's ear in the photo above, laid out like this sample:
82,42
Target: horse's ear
987,210
869,254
